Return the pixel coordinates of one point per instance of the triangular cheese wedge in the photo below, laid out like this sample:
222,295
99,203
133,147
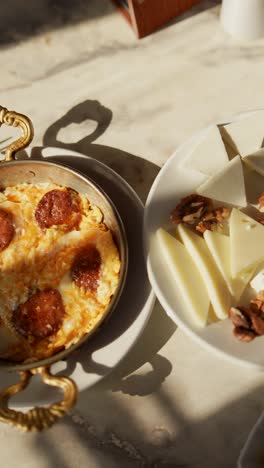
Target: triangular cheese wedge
227,185
246,135
214,283
228,146
209,156
246,242
219,246
257,283
185,275
256,161
254,183
212,317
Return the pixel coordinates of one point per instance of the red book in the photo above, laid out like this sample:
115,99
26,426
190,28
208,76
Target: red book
146,16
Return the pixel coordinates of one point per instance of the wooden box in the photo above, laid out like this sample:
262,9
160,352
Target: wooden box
146,16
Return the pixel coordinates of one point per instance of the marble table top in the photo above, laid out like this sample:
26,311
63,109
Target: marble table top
91,86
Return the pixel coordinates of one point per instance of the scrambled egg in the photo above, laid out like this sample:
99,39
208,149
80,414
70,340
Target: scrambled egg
39,258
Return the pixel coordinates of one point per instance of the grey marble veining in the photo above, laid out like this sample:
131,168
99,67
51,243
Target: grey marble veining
90,86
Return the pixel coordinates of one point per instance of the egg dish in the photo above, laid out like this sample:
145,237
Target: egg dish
59,268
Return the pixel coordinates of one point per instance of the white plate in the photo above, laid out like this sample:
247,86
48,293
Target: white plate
172,183
105,350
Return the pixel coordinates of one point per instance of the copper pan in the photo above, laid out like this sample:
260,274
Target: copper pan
13,172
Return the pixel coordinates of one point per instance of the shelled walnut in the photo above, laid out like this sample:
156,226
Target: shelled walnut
212,218
249,321
190,209
261,202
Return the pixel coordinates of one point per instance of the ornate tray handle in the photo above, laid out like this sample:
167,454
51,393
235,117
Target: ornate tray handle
14,119
38,418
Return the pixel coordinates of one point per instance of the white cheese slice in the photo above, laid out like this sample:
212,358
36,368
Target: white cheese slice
256,161
187,277
209,156
247,135
216,287
219,246
258,281
212,318
254,183
227,185
246,242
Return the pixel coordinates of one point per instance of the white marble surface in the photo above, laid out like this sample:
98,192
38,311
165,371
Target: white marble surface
89,85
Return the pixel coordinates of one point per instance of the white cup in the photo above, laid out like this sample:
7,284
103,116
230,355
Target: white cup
243,19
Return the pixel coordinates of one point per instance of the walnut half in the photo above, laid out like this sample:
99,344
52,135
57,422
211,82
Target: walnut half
241,319
257,316
261,202
249,321
244,334
190,209
210,220
258,302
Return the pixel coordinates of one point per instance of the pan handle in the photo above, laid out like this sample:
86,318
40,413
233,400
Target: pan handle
38,418
14,119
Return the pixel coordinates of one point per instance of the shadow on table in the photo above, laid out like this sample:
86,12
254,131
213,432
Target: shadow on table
107,430
158,331
137,171
21,20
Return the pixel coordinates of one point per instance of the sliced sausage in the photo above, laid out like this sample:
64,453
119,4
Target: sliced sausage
58,207
41,315
85,270
7,229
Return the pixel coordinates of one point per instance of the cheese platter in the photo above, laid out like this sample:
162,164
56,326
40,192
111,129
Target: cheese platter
203,236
